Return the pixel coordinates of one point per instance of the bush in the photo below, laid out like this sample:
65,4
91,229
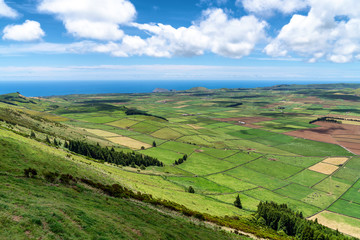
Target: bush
191,189
30,172
51,177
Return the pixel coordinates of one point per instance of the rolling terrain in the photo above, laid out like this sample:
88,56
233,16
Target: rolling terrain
261,144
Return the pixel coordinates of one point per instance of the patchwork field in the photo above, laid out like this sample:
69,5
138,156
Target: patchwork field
256,143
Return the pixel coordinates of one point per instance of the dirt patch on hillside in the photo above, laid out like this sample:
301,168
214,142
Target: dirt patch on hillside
345,135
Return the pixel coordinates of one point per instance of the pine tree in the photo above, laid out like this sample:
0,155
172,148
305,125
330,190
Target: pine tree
47,140
154,144
237,202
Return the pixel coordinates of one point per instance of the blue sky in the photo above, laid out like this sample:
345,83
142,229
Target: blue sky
271,40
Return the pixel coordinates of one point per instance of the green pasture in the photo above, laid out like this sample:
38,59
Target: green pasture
333,185
231,182
123,123
256,178
242,157
304,162
167,133
179,147
144,127
168,157
201,164
247,202
353,194
307,178
273,168
347,208
200,185
218,153
317,198
312,148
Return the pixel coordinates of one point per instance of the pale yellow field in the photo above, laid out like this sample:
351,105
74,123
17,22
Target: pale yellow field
182,106
101,133
128,142
335,161
351,122
348,225
324,168
194,126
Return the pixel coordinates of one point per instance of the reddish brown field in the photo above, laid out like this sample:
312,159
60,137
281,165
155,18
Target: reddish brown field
347,136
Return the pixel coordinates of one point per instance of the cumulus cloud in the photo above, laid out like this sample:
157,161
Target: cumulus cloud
6,11
269,6
331,30
28,31
215,32
95,19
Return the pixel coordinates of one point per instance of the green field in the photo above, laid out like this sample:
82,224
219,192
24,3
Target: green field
231,148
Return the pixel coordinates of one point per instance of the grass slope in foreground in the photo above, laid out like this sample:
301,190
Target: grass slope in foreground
36,209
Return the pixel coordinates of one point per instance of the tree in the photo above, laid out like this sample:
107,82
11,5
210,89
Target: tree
47,140
191,189
55,142
32,134
142,167
154,144
237,202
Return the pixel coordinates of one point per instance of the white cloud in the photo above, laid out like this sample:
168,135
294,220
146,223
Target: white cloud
95,19
28,31
215,32
6,11
269,6
320,34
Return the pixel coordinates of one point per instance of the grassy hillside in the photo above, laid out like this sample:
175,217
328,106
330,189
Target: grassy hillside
34,208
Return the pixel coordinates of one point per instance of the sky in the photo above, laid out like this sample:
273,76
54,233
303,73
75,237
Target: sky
292,40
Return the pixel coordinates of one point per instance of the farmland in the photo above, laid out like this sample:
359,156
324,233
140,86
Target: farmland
264,149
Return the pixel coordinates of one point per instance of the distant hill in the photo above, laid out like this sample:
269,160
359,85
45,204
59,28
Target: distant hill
160,90
314,86
15,99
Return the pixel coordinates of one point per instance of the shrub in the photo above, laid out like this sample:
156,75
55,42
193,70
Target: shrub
191,189
30,172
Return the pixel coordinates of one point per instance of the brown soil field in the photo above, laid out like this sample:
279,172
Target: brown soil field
330,133
324,168
335,161
349,140
329,219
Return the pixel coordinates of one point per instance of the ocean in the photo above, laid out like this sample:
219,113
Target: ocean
51,88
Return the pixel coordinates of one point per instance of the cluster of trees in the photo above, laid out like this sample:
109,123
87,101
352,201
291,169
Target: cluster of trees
281,218
134,111
181,160
325,119
112,156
